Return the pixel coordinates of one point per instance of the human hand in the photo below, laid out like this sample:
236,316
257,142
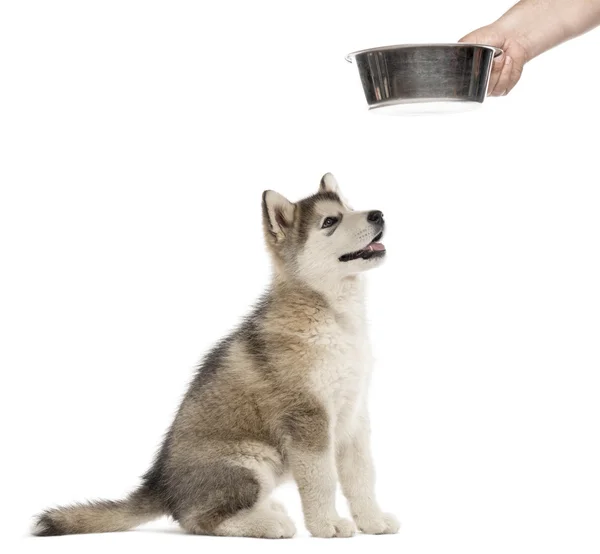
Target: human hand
507,68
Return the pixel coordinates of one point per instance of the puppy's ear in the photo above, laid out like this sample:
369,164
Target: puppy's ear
278,214
329,184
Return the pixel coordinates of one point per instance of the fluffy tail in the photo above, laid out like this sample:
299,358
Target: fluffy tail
101,516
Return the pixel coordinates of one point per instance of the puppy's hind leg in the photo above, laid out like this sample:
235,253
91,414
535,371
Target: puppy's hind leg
267,518
234,500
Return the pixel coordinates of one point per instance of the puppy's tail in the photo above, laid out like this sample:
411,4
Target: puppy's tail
101,516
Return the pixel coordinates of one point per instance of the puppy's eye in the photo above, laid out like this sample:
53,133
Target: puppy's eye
329,221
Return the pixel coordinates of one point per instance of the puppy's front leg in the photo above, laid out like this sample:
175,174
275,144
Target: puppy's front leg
357,477
312,461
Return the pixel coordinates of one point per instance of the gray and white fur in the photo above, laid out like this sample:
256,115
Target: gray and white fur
282,397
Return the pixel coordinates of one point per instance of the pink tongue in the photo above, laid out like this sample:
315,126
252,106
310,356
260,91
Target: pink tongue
377,246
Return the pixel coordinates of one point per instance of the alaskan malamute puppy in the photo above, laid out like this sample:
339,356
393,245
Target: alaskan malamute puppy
284,396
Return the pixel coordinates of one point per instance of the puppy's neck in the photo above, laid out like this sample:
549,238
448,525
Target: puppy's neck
339,294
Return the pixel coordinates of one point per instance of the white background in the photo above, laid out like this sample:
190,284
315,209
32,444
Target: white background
136,140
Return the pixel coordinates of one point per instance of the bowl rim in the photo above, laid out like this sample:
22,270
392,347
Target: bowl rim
350,57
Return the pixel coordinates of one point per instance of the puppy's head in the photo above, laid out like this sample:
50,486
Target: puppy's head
321,237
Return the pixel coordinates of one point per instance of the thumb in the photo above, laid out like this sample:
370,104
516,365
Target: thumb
489,39
485,35
471,37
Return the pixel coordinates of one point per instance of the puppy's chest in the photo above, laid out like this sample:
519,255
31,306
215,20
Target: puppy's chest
342,370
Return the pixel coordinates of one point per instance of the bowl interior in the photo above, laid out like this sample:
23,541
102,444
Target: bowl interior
350,57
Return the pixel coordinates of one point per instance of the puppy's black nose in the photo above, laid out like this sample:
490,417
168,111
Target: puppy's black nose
375,217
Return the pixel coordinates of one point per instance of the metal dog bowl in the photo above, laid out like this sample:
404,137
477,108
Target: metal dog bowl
425,77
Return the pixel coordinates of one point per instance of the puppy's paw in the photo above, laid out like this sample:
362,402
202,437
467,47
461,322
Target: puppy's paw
378,524
331,528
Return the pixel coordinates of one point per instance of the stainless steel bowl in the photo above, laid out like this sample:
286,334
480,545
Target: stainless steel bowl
456,75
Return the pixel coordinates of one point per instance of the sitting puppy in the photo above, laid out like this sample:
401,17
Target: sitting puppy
283,396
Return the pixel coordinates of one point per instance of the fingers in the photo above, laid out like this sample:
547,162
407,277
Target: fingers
517,69
508,77
504,79
497,67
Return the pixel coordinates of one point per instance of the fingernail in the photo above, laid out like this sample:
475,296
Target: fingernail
508,60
